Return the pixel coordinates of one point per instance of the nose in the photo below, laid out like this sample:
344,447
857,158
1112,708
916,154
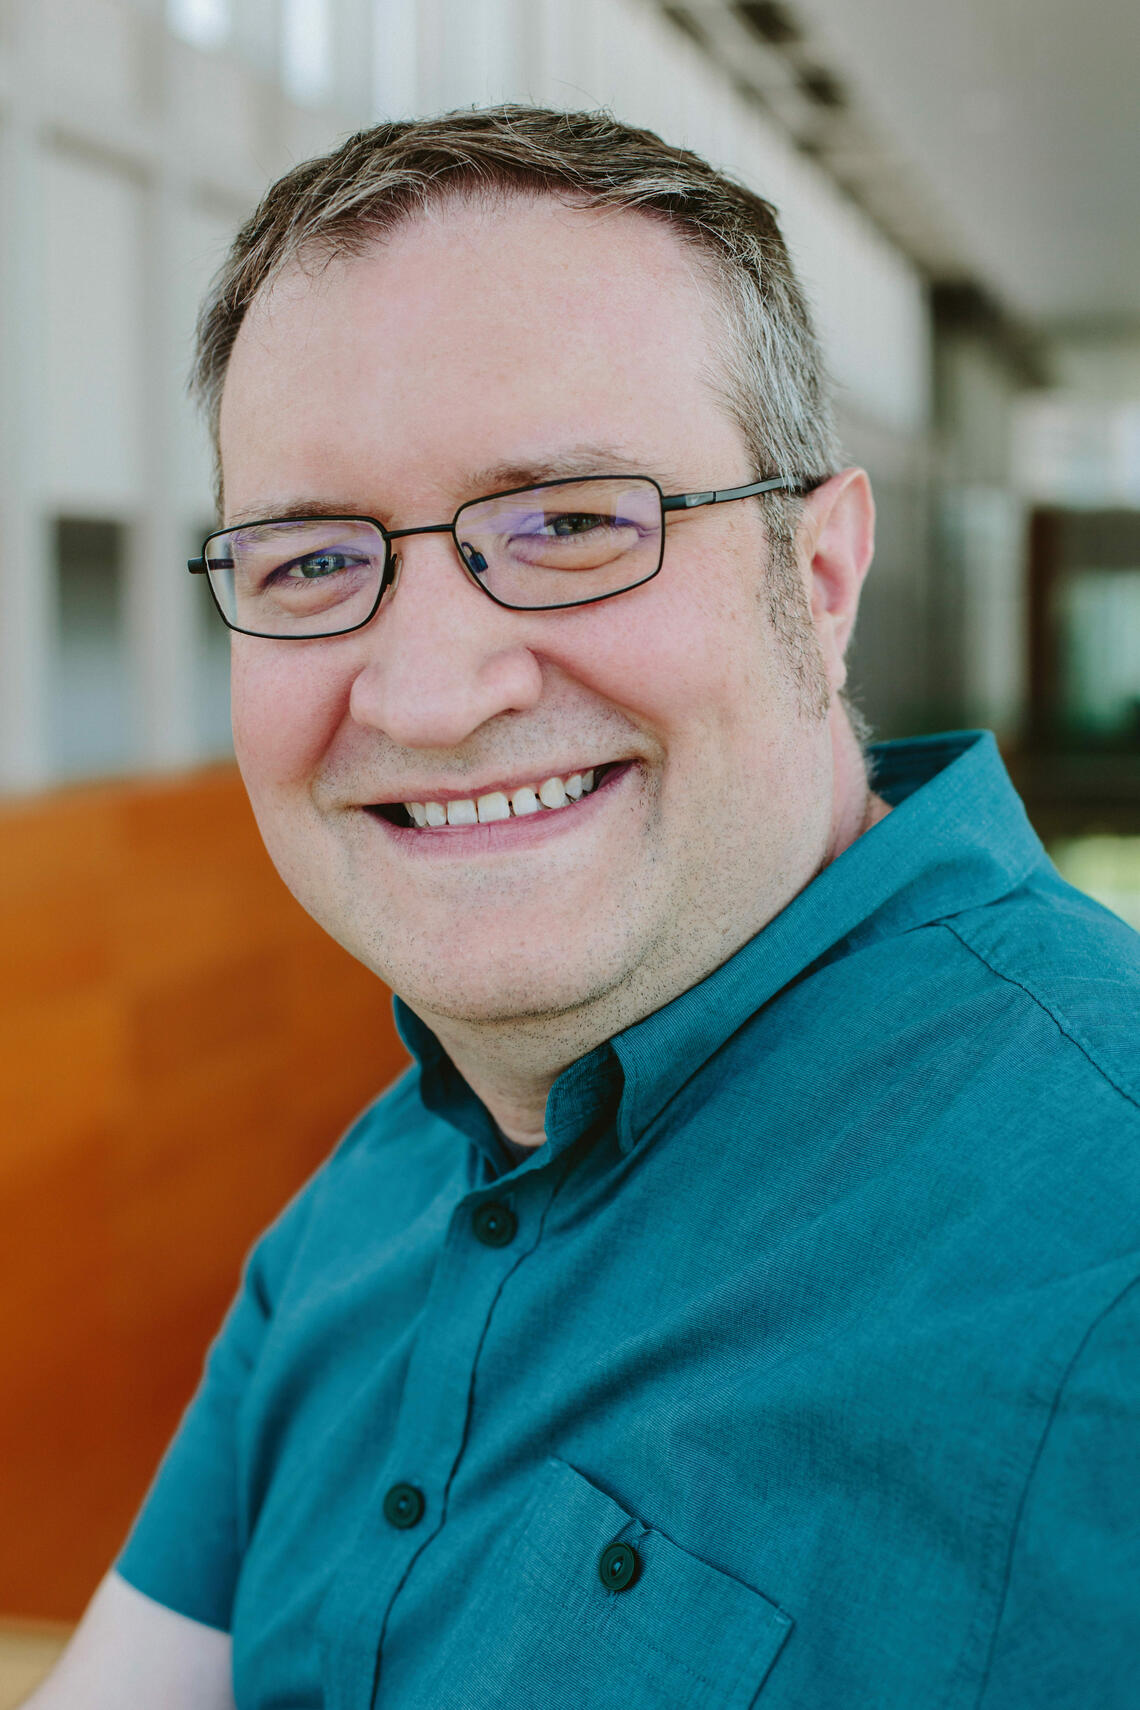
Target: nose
440,658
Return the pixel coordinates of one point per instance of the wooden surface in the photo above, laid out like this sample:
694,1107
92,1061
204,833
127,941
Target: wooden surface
179,1047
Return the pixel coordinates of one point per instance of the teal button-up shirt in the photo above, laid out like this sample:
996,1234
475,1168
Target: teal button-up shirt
814,1322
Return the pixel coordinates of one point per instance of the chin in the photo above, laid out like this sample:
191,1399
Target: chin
484,992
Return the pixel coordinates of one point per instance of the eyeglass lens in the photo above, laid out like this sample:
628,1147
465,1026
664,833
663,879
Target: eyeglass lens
561,544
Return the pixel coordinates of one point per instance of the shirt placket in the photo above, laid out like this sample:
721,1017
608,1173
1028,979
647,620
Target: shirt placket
490,1232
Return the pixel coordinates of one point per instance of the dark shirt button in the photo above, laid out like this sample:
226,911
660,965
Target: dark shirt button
495,1225
618,1566
404,1506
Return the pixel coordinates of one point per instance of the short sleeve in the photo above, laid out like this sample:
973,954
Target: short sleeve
1069,1635
184,1549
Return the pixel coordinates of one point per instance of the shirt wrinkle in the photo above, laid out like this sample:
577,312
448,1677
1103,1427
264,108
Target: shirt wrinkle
1093,1055
813,1340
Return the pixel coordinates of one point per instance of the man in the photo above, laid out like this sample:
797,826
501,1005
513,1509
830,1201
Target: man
736,1302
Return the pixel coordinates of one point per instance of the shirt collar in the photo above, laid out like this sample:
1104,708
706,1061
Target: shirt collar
583,1098
958,838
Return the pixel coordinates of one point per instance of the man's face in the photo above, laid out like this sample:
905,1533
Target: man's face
479,350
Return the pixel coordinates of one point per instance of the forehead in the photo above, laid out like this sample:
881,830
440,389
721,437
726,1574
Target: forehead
520,321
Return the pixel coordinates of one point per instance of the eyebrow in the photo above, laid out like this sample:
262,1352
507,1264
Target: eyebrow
278,510
566,464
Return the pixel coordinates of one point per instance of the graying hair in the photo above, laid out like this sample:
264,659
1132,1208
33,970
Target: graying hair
771,376
342,202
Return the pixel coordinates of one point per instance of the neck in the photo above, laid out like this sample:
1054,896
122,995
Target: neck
855,807
512,1066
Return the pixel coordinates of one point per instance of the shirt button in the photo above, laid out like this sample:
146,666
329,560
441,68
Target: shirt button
404,1506
618,1566
494,1225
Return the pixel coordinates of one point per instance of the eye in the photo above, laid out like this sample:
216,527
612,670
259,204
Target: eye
576,522
319,564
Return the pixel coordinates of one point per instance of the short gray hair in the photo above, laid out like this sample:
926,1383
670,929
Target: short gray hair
774,382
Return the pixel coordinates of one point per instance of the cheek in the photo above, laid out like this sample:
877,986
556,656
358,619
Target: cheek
686,663
284,715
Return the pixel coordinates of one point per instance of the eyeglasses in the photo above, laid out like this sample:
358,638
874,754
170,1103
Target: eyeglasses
542,548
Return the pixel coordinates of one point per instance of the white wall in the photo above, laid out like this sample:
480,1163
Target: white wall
92,358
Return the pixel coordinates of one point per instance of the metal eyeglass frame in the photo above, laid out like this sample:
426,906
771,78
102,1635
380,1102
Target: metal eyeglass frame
669,502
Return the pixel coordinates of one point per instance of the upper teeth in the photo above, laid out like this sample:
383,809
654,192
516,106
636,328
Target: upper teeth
528,798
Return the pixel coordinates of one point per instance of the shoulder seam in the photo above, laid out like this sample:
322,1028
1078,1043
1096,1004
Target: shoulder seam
1063,1025
1079,1351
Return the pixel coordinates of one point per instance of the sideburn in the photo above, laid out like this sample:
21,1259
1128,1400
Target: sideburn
790,616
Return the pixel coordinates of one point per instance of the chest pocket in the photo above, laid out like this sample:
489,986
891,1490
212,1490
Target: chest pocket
543,1628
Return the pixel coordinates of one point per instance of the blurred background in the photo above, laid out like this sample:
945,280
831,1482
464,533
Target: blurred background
960,186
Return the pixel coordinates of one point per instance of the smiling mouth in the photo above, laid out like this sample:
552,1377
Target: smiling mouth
545,796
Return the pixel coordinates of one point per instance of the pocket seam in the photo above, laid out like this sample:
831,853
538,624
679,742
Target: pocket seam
765,1645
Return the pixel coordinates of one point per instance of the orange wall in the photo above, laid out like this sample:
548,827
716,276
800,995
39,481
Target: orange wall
179,1047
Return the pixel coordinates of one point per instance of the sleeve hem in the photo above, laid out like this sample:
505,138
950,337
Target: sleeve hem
208,1612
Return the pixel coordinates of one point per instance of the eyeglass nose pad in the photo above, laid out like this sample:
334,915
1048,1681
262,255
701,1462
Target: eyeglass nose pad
391,576
473,558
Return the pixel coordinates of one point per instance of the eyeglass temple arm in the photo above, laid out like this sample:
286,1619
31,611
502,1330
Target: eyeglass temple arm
690,501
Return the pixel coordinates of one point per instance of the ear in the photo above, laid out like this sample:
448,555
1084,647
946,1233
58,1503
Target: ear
834,544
